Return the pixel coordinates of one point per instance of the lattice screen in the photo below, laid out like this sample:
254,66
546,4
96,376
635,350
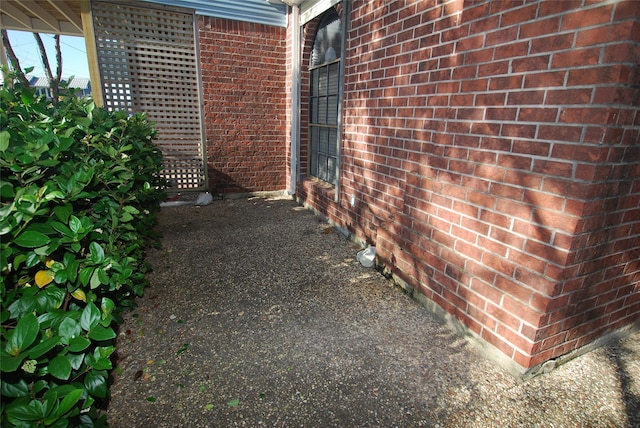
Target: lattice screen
148,63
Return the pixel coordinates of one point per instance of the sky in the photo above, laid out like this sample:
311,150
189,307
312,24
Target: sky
74,56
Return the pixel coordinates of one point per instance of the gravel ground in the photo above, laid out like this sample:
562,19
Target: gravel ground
259,314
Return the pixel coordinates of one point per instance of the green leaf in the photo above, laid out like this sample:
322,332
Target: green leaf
62,228
5,227
25,304
6,190
20,389
31,239
96,279
27,96
68,402
96,384
18,260
11,364
26,159
78,344
102,276
90,317
131,210
50,298
69,329
43,347
23,335
50,402
56,194
4,259
61,277
32,259
72,270
100,333
63,212
75,224
104,351
39,386
97,253
107,306
85,275
106,320
125,217
233,403
102,364
82,121
31,412
76,360
60,367
4,140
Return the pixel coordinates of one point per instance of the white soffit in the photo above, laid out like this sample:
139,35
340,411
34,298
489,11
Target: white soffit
258,11
42,16
312,8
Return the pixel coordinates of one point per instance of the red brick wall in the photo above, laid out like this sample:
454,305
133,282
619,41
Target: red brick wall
244,85
601,287
492,148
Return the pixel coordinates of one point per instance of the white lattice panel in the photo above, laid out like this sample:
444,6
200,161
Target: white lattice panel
148,63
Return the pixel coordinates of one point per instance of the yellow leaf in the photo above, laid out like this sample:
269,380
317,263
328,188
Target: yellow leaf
43,277
49,262
79,295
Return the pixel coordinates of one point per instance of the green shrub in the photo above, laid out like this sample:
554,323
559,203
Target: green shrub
80,190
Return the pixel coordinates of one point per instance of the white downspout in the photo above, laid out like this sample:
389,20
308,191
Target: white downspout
295,99
346,15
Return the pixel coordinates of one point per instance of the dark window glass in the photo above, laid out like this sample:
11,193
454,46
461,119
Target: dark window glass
323,103
326,46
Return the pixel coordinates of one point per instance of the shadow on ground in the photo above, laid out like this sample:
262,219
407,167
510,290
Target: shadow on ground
259,314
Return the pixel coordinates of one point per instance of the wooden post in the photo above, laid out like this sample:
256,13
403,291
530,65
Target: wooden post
92,54
3,63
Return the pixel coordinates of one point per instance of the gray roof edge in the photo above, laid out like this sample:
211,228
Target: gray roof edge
256,11
75,82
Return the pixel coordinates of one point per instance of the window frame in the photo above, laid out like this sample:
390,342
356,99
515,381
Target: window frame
323,160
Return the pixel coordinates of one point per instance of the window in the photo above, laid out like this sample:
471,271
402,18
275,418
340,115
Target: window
324,99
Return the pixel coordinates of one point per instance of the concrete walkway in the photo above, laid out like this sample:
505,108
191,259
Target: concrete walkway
259,314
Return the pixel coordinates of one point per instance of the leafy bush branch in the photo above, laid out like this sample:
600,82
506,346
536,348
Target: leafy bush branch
80,189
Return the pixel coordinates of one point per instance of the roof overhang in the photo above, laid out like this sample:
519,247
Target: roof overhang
257,11
42,16
65,16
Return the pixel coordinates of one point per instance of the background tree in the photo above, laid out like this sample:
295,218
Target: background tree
13,59
53,80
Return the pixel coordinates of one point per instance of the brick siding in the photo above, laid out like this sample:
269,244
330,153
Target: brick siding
244,84
492,150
